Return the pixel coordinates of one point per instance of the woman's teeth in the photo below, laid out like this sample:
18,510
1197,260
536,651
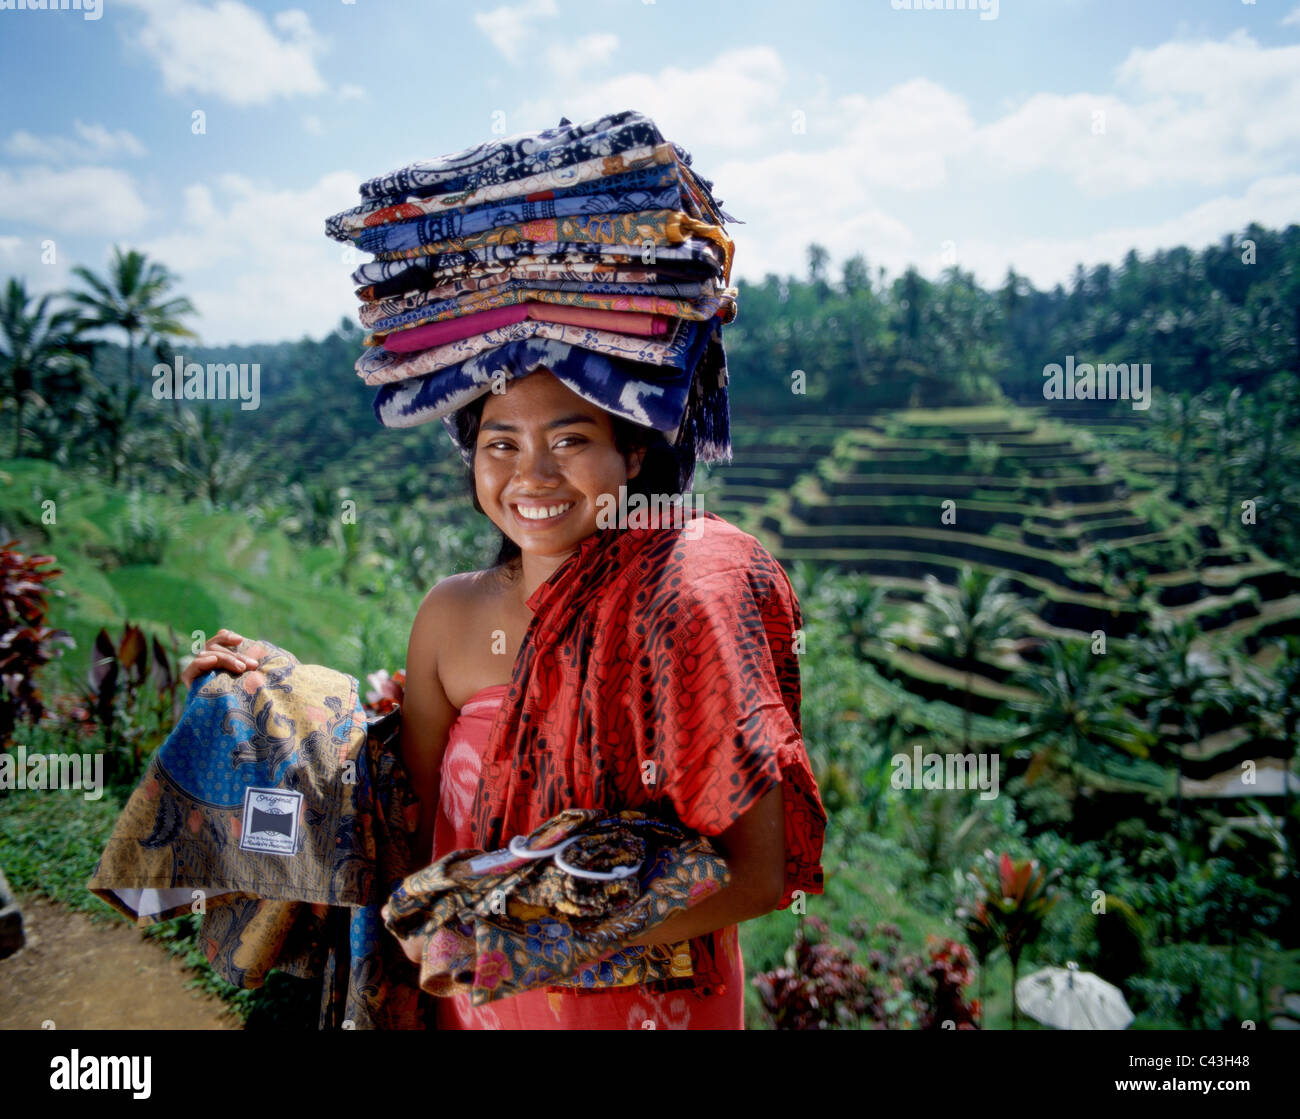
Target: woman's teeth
543,513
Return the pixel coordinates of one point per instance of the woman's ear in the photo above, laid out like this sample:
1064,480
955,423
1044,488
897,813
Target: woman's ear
634,461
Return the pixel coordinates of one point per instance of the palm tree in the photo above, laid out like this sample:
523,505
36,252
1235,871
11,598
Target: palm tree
34,344
132,299
969,621
1184,684
1274,715
1179,421
204,454
1077,714
863,606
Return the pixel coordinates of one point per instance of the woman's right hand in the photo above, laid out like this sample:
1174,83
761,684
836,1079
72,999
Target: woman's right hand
216,655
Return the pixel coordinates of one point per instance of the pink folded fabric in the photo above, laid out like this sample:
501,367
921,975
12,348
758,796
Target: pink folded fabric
438,333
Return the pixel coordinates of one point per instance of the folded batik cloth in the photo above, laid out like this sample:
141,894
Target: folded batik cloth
558,907
602,226
344,226
639,190
659,397
514,158
405,336
449,295
629,281
282,815
379,278
645,229
423,338
382,367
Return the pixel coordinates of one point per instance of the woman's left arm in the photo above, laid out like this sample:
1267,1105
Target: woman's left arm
754,847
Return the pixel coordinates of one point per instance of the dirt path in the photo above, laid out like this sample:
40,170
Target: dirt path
89,975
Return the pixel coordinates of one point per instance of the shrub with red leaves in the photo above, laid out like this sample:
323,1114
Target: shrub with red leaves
948,973
824,987
26,643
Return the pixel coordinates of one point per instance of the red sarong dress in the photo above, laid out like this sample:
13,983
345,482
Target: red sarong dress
658,673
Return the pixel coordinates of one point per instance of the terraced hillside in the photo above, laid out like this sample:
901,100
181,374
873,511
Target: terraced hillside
1086,537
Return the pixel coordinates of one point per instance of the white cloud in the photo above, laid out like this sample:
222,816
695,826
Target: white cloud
1048,260
734,101
230,51
99,200
1292,17
312,125
349,91
254,259
1201,112
92,142
567,59
509,26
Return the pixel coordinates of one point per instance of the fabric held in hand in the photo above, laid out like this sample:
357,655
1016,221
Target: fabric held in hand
276,803
495,924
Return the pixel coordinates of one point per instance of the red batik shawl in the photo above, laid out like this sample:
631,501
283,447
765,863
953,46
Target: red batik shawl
658,673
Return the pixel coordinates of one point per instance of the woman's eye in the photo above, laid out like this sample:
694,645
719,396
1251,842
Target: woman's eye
502,444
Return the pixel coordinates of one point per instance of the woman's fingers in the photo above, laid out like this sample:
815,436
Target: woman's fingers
214,656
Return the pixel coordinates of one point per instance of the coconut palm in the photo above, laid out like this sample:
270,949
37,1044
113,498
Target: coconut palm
204,454
1273,713
1077,714
133,299
969,621
1183,683
35,344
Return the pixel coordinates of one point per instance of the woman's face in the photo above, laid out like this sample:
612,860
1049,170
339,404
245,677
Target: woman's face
543,450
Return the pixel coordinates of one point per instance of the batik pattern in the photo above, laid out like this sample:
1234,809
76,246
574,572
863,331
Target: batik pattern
379,277
694,631
654,189
714,303
539,278
290,728
382,367
342,226
644,228
648,395
516,157
495,924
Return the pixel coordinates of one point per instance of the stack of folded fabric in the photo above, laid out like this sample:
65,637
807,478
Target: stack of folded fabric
591,250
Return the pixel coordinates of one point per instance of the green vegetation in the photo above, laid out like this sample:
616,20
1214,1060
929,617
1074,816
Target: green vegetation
1100,598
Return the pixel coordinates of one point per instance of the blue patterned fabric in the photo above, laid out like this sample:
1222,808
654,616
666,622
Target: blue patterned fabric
516,157
687,402
298,887
397,236
428,310
376,271
655,177
619,194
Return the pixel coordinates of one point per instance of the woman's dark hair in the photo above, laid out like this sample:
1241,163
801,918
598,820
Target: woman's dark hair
664,470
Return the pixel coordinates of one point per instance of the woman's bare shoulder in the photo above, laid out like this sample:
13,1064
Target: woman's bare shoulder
449,598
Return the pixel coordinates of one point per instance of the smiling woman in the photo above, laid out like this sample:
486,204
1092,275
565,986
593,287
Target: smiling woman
557,301
698,629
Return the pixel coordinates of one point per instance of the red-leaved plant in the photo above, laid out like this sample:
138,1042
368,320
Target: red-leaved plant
823,987
26,643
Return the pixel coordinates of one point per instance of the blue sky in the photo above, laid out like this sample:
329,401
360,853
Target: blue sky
1058,132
